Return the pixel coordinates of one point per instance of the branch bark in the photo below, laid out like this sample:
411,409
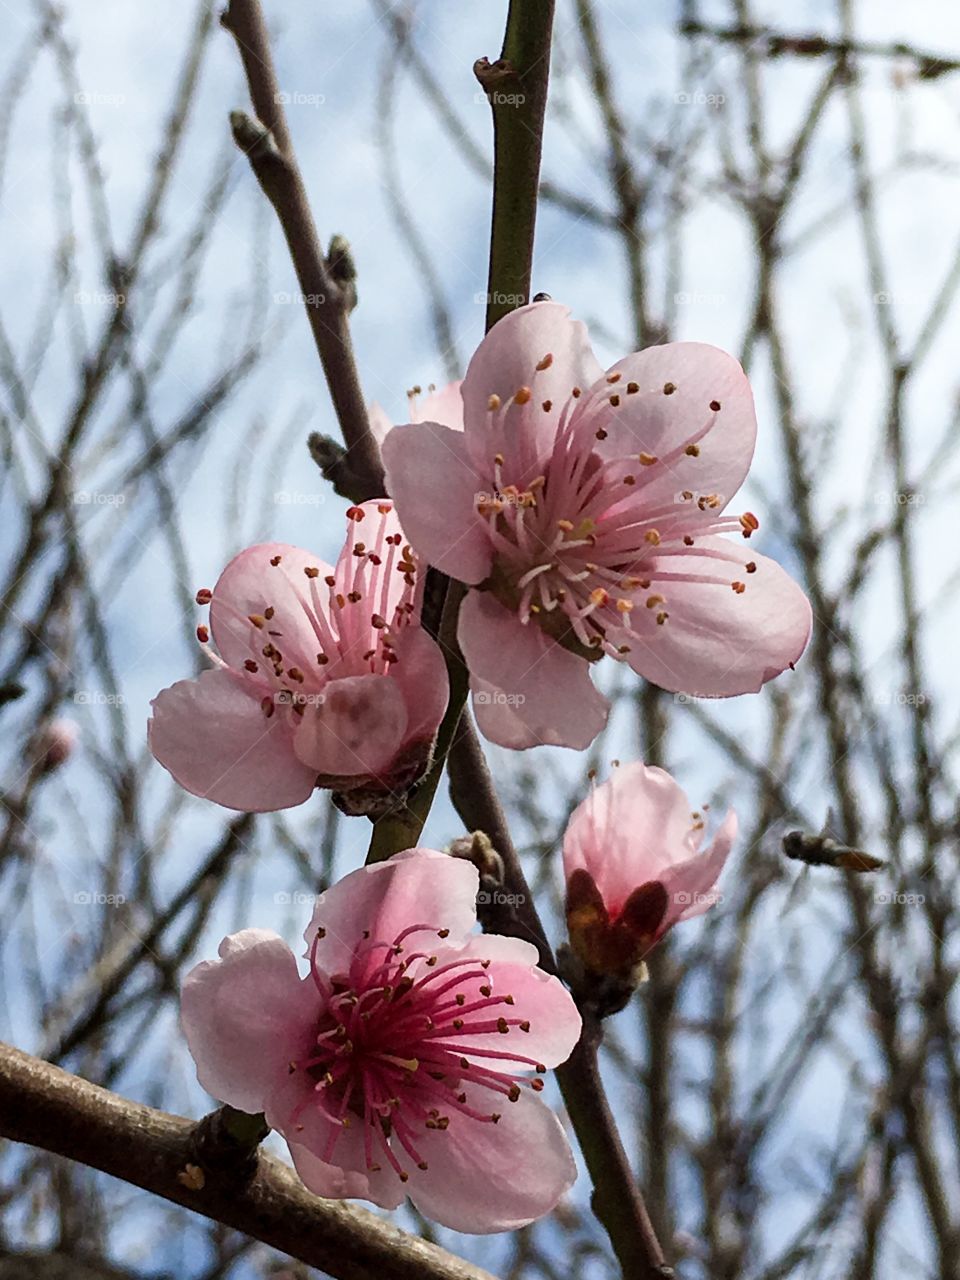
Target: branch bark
326,283
172,1157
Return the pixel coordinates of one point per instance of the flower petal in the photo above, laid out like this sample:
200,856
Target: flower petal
292,1109
444,405
251,584
377,902
245,1016
527,689
342,1182
718,643
506,360
629,831
689,884
421,676
212,735
484,1177
354,727
380,422
538,998
651,422
435,486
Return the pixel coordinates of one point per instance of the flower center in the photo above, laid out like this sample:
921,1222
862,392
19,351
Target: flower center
579,541
350,616
397,1049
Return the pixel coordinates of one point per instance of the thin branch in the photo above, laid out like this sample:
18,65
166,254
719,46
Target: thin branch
326,283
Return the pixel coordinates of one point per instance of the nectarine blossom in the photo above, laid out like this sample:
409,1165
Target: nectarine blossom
409,1060
634,868
585,509
321,677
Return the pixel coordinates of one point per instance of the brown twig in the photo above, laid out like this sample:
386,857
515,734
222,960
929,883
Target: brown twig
173,1158
327,289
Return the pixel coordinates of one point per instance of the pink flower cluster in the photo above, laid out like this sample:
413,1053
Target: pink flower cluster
585,509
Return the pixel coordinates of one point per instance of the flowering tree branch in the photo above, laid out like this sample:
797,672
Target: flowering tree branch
516,86
205,1168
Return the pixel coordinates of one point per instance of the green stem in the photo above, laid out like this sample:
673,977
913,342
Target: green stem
517,88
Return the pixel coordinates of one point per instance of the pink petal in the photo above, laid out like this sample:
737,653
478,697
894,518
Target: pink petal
380,421
355,726
421,676
690,884
445,405
648,421
717,643
336,1182
629,831
308,1132
435,486
485,1177
418,886
507,360
245,1016
542,1000
212,735
371,523
527,689
248,586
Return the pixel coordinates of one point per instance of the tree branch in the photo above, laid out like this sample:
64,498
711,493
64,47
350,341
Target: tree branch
327,289
176,1159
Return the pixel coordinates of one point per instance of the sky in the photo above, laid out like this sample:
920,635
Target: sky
253,479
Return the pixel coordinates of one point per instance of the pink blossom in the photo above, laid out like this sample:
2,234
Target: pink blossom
440,404
54,743
324,677
632,861
409,1060
585,508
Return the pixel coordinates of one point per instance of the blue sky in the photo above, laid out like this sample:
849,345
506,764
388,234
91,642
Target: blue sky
253,478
